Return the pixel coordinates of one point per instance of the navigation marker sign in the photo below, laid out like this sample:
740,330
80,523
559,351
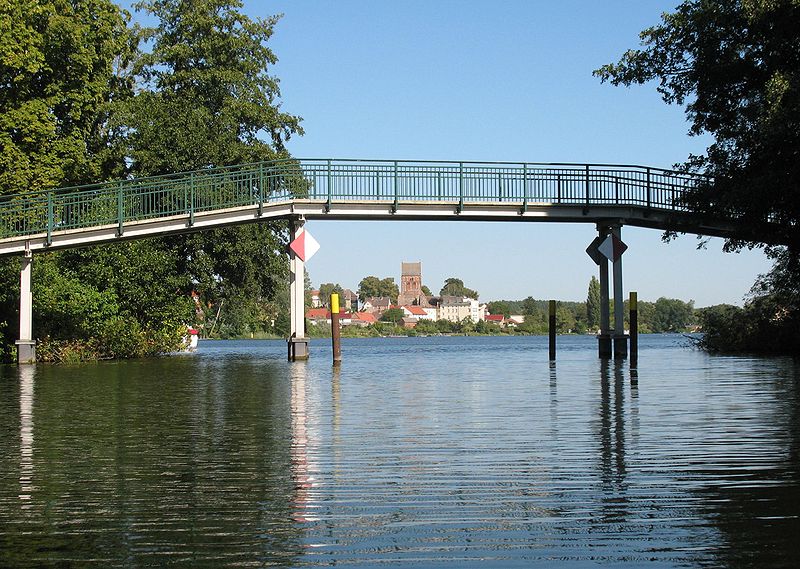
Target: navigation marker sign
592,251
304,246
612,247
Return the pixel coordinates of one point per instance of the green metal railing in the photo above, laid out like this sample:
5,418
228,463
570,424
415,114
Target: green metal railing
393,182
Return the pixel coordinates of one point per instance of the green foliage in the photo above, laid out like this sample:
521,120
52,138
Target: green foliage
426,291
499,307
372,286
57,68
593,305
734,66
770,320
671,315
393,315
325,291
455,287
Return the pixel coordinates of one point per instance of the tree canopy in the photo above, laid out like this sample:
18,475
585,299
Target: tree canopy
455,287
372,286
735,66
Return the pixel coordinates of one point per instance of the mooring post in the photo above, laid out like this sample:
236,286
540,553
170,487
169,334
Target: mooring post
552,329
336,335
297,343
26,345
634,322
620,340
604,339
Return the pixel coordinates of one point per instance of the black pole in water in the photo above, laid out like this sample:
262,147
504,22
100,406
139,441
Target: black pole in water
335,332
634,321
552,329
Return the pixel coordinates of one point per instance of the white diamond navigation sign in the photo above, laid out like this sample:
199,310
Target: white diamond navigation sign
612,247
304,245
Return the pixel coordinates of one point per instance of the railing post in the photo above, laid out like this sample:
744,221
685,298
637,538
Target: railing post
49,217
587,185
191,199
499,186
649,197
616,189
377,184
524,188
396,188
330,187
260,189
120,211
460,187
558,187
439,184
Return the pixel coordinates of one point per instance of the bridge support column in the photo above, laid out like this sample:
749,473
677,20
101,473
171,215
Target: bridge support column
620,339
26,345
297,343
604,342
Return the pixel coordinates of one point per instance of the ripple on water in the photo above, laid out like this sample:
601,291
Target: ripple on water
420,451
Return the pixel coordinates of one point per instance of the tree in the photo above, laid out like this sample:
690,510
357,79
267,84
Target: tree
58,63
530,306
671,315
734,66
426,291
206,99
499,307
373,286
593,305
393,315
325,291
455,287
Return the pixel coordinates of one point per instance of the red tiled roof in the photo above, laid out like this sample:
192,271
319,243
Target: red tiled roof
367,317
495,317
317,313
416,310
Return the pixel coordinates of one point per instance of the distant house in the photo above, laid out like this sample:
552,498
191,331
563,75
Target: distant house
323,316
315,301
515,320
417,312
363,319
498,319
349,300
457,308
376,304
407,322
317,315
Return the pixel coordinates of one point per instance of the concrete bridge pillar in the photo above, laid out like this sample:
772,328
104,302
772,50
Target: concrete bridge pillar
620,339
604,341
26,345
297,342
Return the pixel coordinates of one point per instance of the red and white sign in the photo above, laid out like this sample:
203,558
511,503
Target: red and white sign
612,247
304,246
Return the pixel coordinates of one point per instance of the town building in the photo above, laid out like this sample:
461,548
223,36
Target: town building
411,285
457,308
376,304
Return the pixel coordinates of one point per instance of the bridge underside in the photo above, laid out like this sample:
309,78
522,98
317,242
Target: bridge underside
369,211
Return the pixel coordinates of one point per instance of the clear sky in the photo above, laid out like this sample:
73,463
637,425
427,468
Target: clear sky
496,81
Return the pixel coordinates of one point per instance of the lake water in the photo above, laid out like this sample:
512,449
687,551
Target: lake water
460,452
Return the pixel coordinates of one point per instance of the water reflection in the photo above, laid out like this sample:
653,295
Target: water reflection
303,480
26,381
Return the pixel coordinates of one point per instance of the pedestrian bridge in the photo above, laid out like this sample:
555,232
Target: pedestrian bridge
608,195
355,190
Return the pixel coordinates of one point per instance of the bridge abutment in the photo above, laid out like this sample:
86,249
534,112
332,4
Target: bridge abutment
26,345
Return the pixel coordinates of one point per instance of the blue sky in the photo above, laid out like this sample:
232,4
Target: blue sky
494,81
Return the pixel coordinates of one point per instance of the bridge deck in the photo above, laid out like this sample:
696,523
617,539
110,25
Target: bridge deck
350,189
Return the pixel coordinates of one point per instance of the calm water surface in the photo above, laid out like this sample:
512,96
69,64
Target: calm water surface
467,452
